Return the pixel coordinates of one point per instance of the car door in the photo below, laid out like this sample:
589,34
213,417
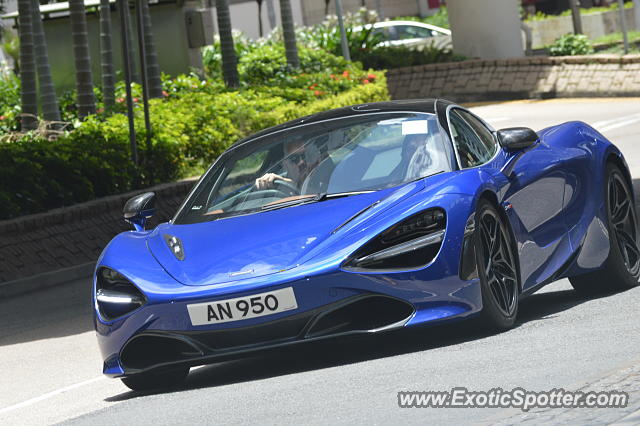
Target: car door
533,184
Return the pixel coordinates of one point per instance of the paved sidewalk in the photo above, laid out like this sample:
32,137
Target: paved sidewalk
626,379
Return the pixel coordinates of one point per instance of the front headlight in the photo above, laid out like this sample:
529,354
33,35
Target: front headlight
116,295
409,244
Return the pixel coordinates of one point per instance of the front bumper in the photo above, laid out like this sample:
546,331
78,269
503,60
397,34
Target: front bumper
161,335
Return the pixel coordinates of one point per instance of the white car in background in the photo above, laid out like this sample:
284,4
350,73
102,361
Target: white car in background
411,34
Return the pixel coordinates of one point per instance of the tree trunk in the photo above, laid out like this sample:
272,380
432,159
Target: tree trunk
326,7
48,98
106,51
84,81
131,46
229,60
29,91
260,30
289,34
150,54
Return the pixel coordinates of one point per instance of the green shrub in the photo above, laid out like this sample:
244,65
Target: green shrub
9,102
191,127
541,16
326,35
364,45
387,57
571,44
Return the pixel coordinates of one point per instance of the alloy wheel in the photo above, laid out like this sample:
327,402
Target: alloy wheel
498,262
623,221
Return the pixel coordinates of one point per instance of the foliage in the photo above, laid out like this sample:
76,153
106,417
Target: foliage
9,102
191,126
540,16
440,18
365,46
571,44
268,65
326,35
11,45
634,36
385,57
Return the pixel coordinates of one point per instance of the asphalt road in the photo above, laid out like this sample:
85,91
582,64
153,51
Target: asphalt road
51,366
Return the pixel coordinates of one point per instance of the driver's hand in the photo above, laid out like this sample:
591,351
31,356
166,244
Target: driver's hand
266,181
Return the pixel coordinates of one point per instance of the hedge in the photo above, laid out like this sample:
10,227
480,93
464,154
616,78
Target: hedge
190,130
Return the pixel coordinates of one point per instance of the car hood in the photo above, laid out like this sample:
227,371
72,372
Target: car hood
253,245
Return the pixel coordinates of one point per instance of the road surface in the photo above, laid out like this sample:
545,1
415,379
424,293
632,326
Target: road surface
51,365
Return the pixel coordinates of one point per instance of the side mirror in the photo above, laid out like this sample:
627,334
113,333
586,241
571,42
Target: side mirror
140,208
517,138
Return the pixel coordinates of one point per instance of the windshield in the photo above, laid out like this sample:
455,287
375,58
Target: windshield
318,161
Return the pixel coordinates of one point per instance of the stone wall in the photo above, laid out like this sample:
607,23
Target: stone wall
520,78
71,236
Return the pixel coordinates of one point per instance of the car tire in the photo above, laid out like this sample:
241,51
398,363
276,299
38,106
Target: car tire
621,270
497,262
156,380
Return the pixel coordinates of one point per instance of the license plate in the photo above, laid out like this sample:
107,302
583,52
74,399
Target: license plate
256,305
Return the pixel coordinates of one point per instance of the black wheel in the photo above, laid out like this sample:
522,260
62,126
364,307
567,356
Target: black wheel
497,268
622,268
156,380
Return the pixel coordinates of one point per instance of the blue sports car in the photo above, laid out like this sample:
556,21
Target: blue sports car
360,220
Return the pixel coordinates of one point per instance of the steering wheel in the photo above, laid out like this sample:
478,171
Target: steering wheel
285,187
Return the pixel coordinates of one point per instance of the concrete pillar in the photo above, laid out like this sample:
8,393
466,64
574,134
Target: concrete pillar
487,29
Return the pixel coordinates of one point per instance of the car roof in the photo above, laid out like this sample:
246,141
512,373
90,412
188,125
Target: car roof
414,105
384,24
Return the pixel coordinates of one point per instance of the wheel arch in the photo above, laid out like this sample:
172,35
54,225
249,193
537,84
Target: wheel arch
616,158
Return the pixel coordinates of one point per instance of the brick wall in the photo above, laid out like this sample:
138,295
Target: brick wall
520,78
71,236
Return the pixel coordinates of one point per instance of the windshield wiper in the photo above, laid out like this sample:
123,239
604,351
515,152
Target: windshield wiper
289,203
311,199
324,196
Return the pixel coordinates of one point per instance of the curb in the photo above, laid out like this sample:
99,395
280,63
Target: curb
45,280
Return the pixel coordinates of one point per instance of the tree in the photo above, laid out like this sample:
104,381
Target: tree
29,91
326,7
106,51
84,82
150,53
48,98
289,34
260,30
229,60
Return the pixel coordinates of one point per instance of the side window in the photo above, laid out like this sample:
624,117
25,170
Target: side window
481,130
383,34
471,149
411,31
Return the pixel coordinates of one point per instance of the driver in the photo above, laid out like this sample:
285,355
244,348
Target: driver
295,164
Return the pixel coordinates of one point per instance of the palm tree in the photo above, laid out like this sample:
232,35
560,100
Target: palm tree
84,81
326,7
29,91
289,34
151,56
131,46
229,60
106,50
260,31
48,98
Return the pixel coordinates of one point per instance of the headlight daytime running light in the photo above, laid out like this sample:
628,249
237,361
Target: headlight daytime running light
411,243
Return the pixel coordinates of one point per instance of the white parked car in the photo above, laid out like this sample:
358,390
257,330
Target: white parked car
411,34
